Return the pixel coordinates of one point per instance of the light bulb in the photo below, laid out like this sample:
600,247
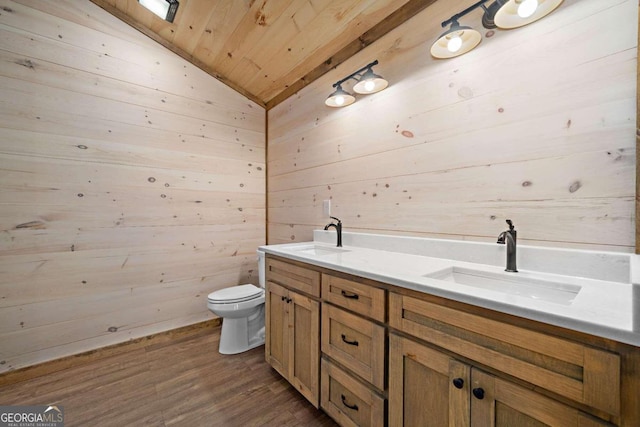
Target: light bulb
339,100
454,44
527,8
369,85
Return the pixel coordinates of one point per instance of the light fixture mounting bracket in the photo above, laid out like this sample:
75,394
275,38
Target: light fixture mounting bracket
356,75
454,18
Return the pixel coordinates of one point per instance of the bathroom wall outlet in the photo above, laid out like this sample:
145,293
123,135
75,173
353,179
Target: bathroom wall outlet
326,207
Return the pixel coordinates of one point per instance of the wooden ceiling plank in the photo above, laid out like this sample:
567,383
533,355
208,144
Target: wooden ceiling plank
278,34
301,43
319,5
289,26
227,17
304,15
298,49
323,39
409,10
250,31
330,25
193,21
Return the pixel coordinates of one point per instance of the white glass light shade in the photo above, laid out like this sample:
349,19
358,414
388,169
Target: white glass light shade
458,40
518,13
370,83
340,98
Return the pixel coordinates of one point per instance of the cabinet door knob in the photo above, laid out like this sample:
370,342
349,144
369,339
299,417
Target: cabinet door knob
283,298
289,300
346,341
344,402
458,383
349,295
478,393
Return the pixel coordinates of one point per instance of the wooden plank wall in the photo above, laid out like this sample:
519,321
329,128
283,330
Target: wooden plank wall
537,125
132,184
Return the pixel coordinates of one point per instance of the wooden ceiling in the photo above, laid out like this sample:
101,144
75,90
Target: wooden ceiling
268,49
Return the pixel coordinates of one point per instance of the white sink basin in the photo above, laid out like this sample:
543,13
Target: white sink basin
317,250
510,283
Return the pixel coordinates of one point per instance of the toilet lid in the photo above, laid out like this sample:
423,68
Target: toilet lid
235,294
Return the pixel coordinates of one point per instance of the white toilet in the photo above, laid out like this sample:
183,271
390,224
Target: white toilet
242,311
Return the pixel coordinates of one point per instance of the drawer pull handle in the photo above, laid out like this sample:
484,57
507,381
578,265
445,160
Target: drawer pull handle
344,402
350,295
346,341
458,383
478,393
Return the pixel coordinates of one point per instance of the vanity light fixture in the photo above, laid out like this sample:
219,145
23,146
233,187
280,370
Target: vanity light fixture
518,13
165,9
367,82
505,14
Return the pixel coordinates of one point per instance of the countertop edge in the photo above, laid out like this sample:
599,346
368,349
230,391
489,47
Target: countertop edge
623,336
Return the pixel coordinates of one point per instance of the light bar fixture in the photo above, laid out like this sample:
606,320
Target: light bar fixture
505,14
165,9
367,82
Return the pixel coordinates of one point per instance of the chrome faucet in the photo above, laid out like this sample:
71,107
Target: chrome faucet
509,237
338,227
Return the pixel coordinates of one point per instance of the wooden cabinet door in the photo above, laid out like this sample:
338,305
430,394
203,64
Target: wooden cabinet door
426,387
292,344
277,329
499,403
304,349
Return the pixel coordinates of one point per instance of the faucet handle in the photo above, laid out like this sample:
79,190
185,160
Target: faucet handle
510,223
337,219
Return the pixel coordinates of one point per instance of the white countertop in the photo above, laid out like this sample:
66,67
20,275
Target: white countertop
601,307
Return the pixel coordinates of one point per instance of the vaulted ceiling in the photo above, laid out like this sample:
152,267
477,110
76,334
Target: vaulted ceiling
268,49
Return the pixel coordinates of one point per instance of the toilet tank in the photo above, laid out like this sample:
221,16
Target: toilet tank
261,268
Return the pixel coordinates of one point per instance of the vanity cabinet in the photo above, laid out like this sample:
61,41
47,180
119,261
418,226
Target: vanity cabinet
373,354
292,323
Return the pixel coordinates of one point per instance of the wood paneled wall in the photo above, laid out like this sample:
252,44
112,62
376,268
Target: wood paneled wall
536,124
132,184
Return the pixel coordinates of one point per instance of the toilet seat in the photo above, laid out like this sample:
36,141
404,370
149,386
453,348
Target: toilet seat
235,294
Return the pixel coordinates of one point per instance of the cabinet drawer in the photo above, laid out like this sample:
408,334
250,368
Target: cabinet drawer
347,400
581,373
293,276
360,298
355,342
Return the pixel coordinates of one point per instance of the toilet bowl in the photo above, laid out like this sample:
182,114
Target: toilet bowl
242,311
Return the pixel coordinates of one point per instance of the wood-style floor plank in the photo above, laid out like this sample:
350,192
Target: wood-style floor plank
182,382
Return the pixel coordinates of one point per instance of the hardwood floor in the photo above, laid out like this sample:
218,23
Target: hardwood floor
182,382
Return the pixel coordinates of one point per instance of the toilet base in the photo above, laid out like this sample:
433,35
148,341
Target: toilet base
243,334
